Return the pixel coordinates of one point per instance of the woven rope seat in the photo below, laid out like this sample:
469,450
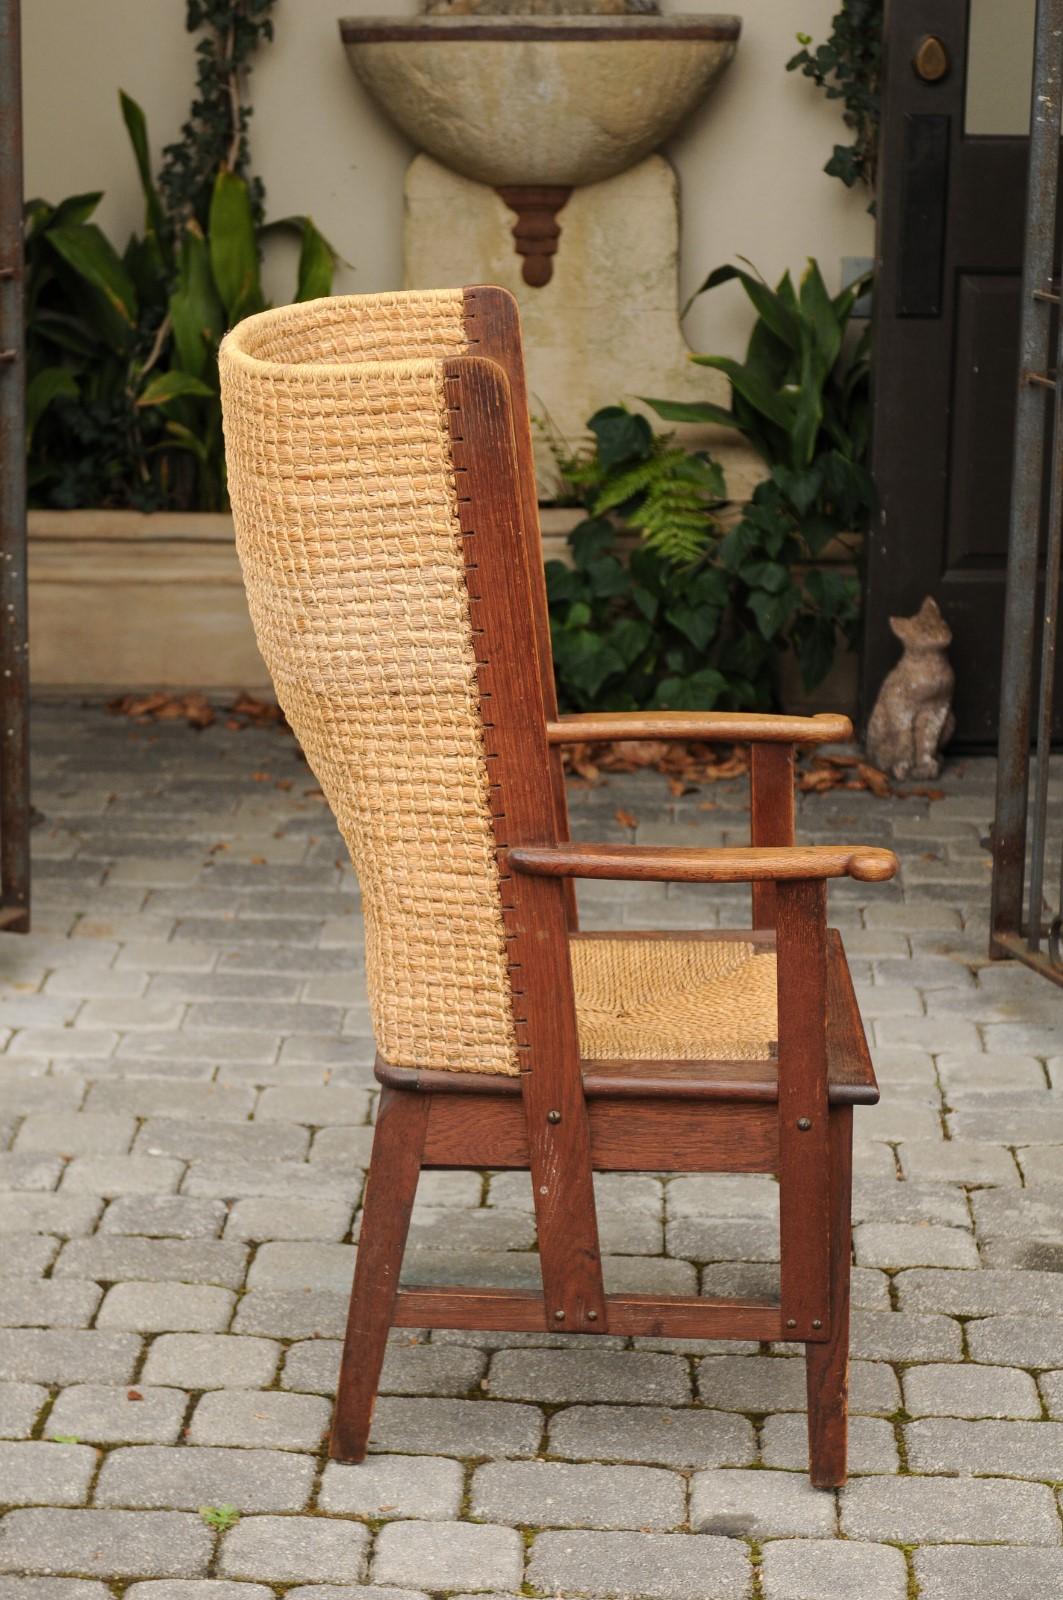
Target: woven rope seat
679,999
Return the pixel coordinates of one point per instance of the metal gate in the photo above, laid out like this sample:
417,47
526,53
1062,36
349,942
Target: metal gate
1024,925
14,656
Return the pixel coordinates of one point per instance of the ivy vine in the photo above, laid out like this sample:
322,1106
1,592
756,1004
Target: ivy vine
214,137
847,67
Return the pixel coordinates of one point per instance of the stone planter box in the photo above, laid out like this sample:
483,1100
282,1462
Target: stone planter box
120,600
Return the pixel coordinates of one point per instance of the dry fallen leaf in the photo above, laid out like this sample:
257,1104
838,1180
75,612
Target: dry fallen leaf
874,780
632,754
826,772
578,760
193,708
818,780
626,819
198,710
137,705
685,766
263,713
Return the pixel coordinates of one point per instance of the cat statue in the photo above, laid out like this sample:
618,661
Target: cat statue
913,717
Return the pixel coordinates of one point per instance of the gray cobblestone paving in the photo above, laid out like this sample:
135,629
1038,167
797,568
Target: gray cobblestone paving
103,1414
807,1569
186,1100
153,1477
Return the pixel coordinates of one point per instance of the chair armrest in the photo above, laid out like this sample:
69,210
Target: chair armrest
738,727
664,864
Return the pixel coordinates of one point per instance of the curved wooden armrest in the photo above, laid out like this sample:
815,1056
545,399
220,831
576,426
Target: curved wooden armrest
665,864
739,727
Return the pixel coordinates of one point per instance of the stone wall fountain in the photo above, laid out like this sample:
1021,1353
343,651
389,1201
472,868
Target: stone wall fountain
537,123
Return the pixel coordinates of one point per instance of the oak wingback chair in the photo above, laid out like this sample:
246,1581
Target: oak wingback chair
383,490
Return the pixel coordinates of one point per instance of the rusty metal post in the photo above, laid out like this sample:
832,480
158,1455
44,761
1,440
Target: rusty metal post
14,650
1053,566
1038,298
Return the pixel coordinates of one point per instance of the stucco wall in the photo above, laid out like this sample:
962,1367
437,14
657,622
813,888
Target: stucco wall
749,163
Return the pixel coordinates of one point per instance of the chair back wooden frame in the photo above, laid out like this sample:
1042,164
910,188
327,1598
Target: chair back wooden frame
561,1118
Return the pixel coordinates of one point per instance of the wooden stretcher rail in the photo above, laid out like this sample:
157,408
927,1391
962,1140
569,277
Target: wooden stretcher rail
524,1311
651,1133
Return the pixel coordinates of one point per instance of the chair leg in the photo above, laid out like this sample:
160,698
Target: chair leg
827,1363
398,1143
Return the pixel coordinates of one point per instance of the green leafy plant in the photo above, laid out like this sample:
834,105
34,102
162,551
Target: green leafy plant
847,67
122,384
220,1517
801,399
632,631
650,625
802,392
666,494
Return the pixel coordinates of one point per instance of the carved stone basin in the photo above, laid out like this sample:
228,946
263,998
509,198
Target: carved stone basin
529,100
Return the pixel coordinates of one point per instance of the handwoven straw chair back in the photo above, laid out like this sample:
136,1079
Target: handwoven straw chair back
342,487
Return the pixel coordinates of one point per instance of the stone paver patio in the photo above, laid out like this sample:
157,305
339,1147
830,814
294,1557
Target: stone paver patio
185,1104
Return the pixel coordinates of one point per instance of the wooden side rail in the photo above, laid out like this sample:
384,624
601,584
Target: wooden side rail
730,727
665,864
522,1310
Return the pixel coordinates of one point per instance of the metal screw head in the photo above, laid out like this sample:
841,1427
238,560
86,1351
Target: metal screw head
553,1116
791,1322
804,1123
816,1323
559,1316
592,1316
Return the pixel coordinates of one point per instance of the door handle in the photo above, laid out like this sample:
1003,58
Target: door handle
931,60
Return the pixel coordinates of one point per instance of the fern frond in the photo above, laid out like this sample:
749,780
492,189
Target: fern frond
675,523
673,495
644,478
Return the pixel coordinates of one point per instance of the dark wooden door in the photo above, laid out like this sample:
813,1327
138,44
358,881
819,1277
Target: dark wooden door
950,239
